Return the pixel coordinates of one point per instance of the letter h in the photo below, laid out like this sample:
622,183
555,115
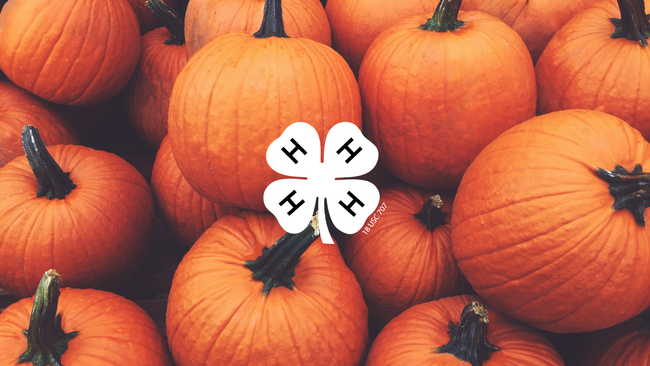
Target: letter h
292,152
293,205
346,147
348,207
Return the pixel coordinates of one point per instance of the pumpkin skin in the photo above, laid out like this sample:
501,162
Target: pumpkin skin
583,67
206,20
217,314
356,23
219,135
399,262
535,21
181,209
146,20
113,331
410,338
430,106
534,231
97,236
64,53
624,344
19,108
147,95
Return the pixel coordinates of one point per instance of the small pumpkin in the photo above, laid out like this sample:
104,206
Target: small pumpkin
459,330
65,53
181,209
403,256
600,60
19,108
87,212
549,222
74,327
162,58
248,293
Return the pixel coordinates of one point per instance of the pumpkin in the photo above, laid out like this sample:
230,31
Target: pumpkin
624,344
74,327
596,62
434,92
548,223
19,108
239,299
239,93
146,19
206,20
65,53
356,23
535,21
162,58
403,256
180,208
459,330
87,212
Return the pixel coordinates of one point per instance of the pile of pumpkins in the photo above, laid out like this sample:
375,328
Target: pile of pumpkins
513,174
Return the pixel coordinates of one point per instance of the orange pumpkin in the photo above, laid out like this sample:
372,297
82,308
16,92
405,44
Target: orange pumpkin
459,331
548,222
19,108
87,212
238,300
206,20
219,133
64,52
403,256
181,209
624,344
436,91
146,19
79,328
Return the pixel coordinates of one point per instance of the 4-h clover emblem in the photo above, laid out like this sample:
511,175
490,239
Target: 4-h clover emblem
297,153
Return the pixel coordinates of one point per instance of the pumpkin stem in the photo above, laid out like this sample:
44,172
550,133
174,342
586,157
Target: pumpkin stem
633,24
445,17
52,181
431,214
276,266
468,341
170,18
46,340
272,22
631,190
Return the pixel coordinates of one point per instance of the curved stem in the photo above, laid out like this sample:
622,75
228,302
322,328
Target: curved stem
468,341
46,340
276,266
631,190
52,181
272,22
445,17
431,214
633,24
170,18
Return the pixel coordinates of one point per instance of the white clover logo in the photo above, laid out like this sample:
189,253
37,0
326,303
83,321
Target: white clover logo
297,154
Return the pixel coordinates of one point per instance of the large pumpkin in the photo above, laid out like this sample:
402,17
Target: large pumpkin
235,302
73,52
549,222
19,108
79,328
403,255
87,212
436,91
600,60
239,93
459,331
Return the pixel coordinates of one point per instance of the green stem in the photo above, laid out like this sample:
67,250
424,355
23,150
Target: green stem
170,18
445,17
52,181
431,214
468,340
276,266
631,190
272,22
46,340
633,24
